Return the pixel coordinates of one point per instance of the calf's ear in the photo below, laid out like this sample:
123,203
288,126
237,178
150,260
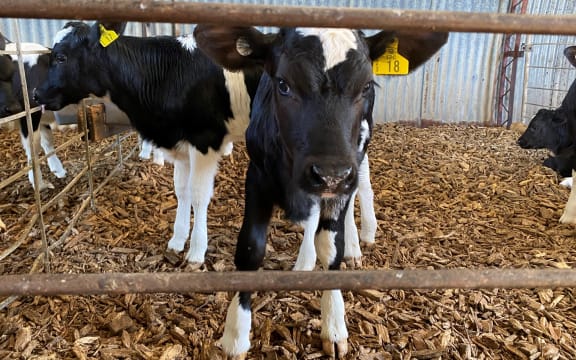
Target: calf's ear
6,68
570,53
417,47
234,47
118,27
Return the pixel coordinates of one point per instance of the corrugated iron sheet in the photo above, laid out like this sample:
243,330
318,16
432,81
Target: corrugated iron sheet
457,85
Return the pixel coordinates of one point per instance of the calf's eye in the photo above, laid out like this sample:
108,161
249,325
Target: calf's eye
367,88
60,58
283,87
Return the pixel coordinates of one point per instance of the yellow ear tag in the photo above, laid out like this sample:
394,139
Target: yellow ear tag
390,63
107,37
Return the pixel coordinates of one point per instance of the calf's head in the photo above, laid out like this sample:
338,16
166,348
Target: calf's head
75,65
9,104
548,129
317,93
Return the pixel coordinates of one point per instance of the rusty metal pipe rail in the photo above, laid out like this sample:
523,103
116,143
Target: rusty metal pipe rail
243,14
123,283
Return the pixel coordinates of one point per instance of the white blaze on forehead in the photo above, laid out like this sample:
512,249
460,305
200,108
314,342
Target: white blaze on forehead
335,43
29,59
188,42
60,35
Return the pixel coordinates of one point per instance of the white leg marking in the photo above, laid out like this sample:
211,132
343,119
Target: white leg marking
351,240
333,324
145,149
36,138
184,197
158,157
332,304
204,169
307,254
47,142
569,215
236,338
567,182
227,148
325,247
366,199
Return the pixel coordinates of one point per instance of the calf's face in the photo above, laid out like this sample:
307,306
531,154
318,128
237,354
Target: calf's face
548,129
322,89
318,91
74,71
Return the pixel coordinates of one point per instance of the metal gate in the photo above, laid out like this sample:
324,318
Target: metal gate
547,73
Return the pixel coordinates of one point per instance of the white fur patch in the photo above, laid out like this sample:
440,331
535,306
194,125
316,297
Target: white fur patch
567,182
325,247
240,105
335,43
236,337
333,323
306,260
60,35
364,134
188,42
28,59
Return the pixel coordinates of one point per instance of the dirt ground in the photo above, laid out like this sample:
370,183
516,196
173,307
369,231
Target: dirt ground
445,197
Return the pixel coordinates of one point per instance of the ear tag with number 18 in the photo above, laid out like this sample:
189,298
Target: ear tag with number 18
107,37
391,62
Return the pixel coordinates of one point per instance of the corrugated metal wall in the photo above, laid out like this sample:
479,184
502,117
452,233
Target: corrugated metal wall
457,85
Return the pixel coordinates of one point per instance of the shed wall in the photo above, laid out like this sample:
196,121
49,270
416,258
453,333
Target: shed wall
457,86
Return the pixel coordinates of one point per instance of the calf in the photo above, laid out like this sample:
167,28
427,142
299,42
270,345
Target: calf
174,96
308,135
12,102
554,129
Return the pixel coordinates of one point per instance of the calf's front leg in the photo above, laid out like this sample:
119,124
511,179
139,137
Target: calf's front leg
250,251
330,248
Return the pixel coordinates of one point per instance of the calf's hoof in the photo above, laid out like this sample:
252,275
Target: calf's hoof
237,357
335,349
568,218
353,262
172,257
193,266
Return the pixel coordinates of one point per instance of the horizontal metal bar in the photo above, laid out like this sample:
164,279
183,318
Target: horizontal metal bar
250,14
122,283
546,89
24,52
19,115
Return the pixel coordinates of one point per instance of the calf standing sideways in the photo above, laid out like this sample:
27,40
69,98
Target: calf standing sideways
174,96
307,138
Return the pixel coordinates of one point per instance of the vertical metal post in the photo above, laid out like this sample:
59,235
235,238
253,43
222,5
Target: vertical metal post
119,149
88,157
31,143
527,51
508,69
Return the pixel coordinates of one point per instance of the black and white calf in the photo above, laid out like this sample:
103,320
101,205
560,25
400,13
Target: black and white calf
555,130
36,70
175,97
306,140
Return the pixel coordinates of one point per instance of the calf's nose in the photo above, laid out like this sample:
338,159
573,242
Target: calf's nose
331,178
13,108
